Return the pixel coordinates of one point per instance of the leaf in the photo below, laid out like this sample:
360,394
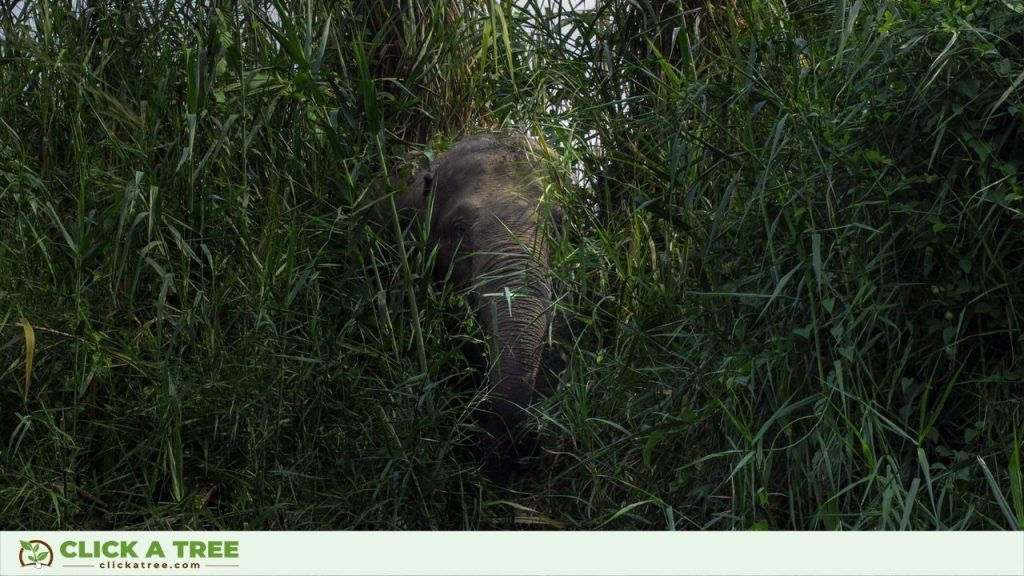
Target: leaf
653,441
26,546
1016,490
1013,88
851,20
778,290
816,258
41,556
30,352
626,510
1004,506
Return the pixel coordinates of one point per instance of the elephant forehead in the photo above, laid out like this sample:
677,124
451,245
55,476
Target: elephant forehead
458,170
495,167
465,207
512,208
499,189
519,145
487,211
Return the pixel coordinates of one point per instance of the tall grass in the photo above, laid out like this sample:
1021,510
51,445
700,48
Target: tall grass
789,279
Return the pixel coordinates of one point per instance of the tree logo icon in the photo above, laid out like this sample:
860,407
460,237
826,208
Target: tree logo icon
35,553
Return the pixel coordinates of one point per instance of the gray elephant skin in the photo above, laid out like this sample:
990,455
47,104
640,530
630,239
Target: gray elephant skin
482,201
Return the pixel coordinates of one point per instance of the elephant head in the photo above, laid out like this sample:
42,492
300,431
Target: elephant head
482,200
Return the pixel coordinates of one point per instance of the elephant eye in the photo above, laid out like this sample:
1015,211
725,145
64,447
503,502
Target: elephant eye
459,228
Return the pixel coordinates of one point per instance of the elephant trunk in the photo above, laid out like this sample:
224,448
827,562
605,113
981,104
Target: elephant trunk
514,301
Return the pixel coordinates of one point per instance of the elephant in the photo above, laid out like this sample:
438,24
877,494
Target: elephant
482,203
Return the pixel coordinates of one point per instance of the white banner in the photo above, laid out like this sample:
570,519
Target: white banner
487,553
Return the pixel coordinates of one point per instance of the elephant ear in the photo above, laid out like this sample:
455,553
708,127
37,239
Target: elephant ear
428,183
426,172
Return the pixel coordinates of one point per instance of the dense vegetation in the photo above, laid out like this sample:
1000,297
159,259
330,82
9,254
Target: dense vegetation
790,279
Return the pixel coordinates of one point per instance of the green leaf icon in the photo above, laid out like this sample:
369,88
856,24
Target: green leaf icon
26,546
41,556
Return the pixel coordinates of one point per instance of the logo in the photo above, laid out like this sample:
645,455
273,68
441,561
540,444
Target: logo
35,553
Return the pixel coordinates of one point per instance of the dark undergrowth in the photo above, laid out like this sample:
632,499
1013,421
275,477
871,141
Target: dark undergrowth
789,276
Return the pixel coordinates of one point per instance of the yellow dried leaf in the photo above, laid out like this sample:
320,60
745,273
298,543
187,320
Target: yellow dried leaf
30,351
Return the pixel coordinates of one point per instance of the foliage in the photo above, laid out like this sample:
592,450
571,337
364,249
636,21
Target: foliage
790,275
